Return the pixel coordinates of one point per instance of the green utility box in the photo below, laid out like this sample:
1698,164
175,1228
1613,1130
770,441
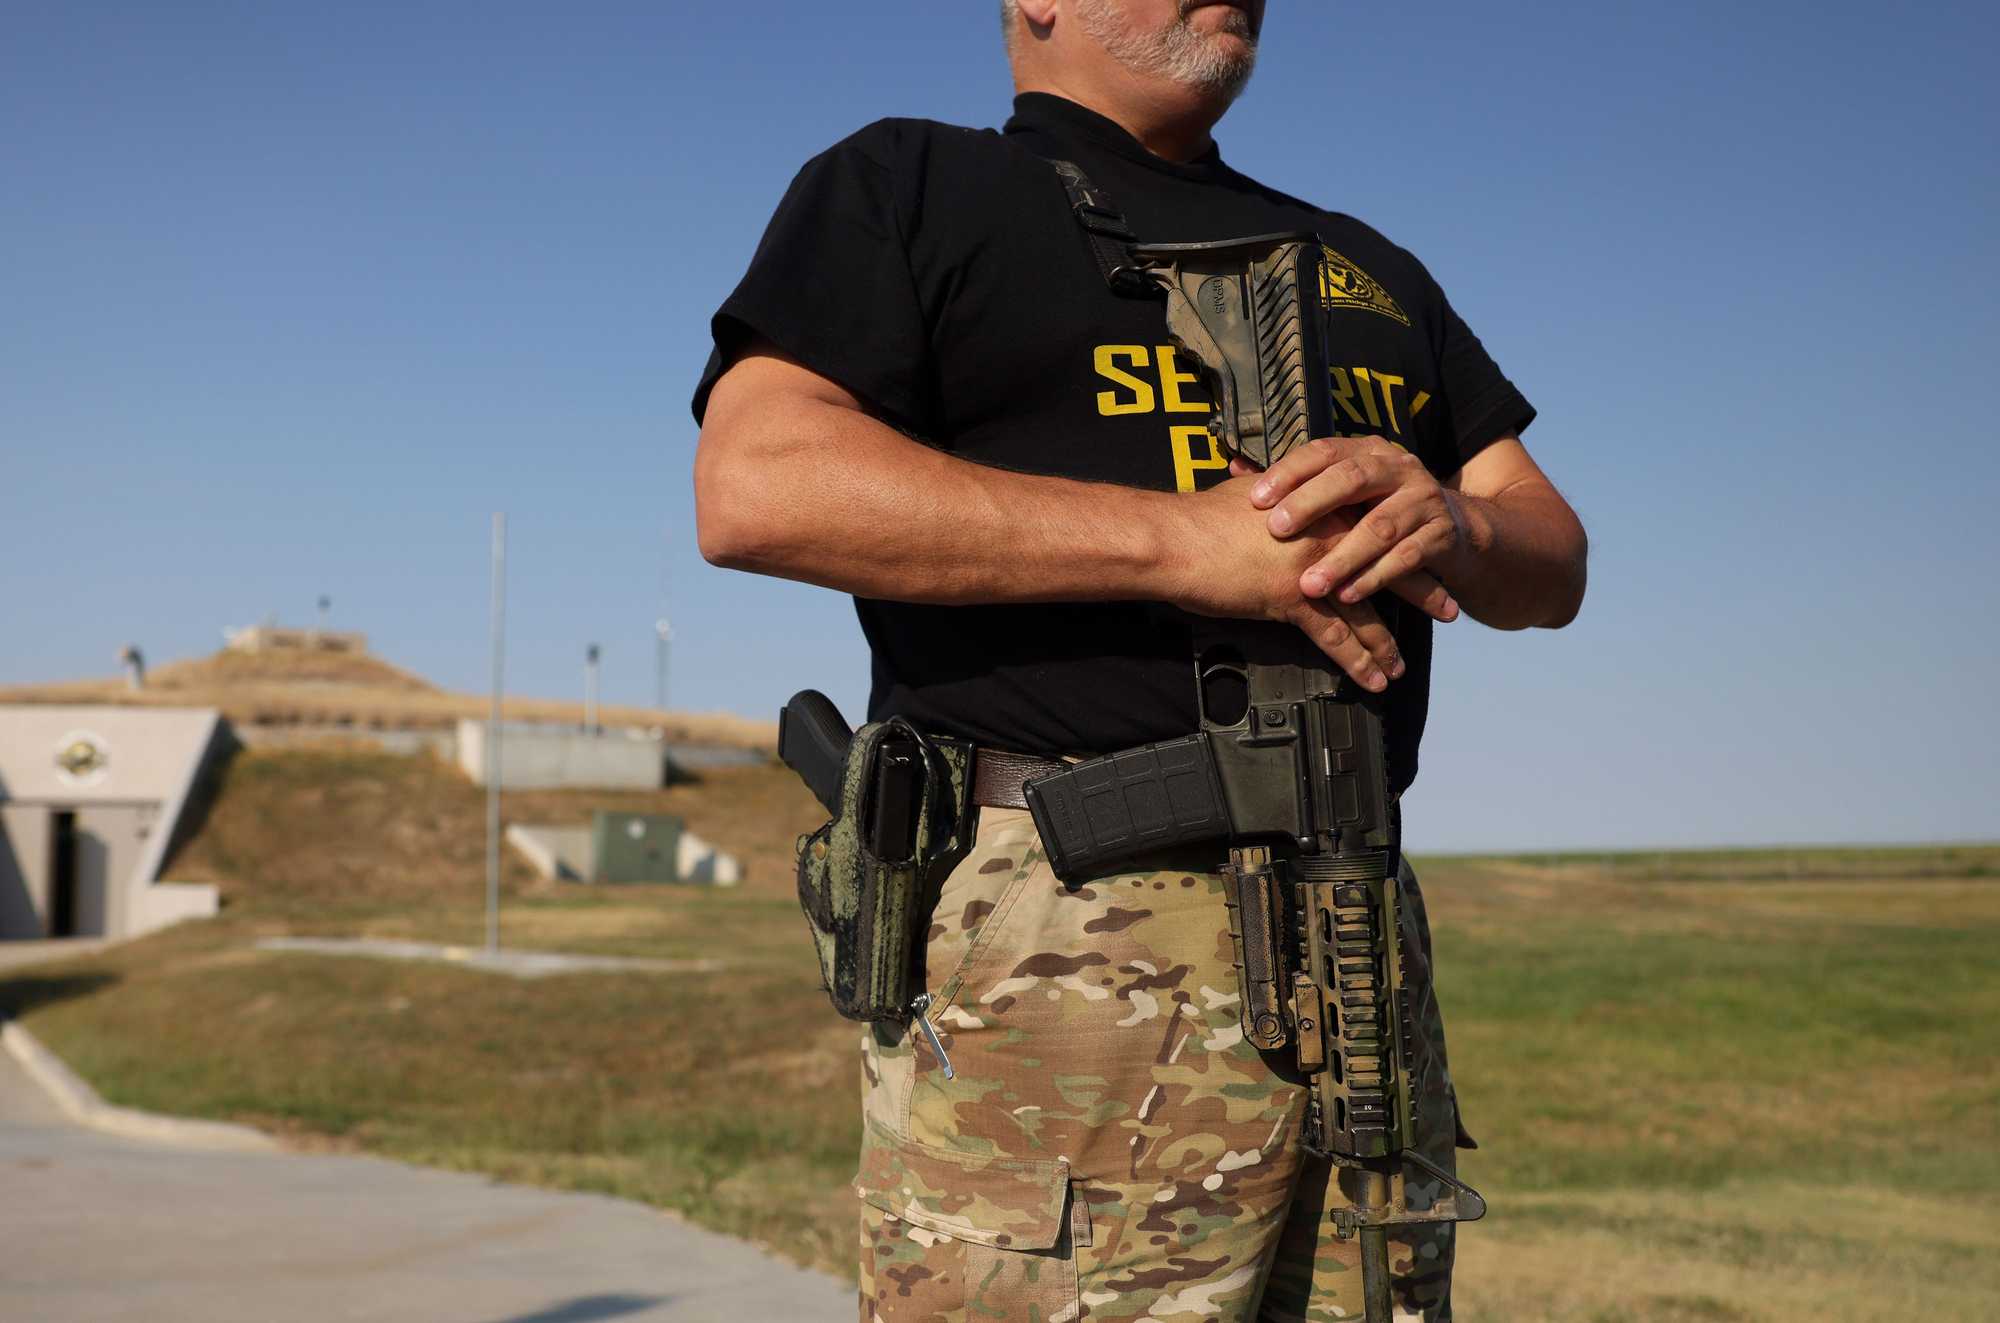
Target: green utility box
635,847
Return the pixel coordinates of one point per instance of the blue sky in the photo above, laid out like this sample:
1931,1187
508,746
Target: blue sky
296,296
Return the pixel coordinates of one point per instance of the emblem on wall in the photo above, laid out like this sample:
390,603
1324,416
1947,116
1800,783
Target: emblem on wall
82,758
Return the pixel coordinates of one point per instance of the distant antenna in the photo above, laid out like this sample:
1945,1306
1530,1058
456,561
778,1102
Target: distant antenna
590,655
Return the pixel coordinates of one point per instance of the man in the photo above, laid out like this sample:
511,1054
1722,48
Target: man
924,393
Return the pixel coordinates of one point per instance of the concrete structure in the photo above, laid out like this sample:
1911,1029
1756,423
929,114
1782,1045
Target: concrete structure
559,854
567,854
550,757
276,638
684,760
90,798
441,742
565,758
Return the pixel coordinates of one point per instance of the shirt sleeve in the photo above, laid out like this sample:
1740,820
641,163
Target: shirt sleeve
830,283
1485,406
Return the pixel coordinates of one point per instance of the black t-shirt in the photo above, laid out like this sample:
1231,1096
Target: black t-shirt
938,274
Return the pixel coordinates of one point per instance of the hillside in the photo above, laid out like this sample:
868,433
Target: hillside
343,832
359,693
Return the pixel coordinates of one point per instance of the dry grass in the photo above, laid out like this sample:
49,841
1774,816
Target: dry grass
1781,1250
281,666
1698,1098
311,832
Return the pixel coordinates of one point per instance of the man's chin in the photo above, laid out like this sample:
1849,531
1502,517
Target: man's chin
1228,64
1225,34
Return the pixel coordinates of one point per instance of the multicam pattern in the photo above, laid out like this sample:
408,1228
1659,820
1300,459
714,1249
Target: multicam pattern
1110,1149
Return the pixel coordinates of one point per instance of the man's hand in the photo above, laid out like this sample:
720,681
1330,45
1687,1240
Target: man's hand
1240,571
1497,530
1414,525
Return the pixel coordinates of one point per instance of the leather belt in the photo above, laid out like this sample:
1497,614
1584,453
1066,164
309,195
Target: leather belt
997,776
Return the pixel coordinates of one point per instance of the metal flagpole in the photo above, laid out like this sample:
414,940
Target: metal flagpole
493,734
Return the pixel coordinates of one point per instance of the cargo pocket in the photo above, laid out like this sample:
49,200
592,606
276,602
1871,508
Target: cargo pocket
1013,1221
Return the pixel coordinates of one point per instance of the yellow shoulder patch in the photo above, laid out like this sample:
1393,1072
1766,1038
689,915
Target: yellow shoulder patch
1345,285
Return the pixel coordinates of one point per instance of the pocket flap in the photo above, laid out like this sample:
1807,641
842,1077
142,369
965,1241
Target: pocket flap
1009,1203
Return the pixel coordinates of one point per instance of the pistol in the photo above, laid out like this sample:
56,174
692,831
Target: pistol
812,741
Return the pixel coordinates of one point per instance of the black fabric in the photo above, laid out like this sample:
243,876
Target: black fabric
1111,239
938,273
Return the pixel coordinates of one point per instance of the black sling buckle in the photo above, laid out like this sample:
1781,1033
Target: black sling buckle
1111,239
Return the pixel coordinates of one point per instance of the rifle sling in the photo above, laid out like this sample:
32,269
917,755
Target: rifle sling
1111,239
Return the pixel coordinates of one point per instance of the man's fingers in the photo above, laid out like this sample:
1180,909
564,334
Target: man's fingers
1313,458
1413,552
1240,467
1427,594
1302,463
1345,482
1374,536
1373,635
1338,640
1288,473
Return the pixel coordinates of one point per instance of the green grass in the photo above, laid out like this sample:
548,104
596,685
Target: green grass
1786,1089
1779,863
1722,1086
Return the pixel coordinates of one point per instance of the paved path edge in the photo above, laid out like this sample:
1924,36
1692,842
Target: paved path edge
73,1094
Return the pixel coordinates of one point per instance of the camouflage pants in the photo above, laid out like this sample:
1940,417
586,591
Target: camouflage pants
1111,1149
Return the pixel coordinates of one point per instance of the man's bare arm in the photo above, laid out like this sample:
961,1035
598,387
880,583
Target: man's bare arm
794,478
1524,558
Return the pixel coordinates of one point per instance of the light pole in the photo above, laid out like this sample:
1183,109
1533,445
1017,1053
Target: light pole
590,655
493,735
664,634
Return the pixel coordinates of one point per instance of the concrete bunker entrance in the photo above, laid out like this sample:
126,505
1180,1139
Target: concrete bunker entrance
79,887
90,797
62,873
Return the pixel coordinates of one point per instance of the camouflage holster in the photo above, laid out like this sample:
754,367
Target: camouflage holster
868,915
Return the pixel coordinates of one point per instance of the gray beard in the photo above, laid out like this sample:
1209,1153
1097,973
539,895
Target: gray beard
1176,52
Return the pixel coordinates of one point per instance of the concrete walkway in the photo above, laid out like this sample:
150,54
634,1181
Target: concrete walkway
95,1226
514,964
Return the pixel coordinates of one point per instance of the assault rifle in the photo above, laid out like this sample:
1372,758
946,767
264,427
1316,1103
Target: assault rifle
1288,768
